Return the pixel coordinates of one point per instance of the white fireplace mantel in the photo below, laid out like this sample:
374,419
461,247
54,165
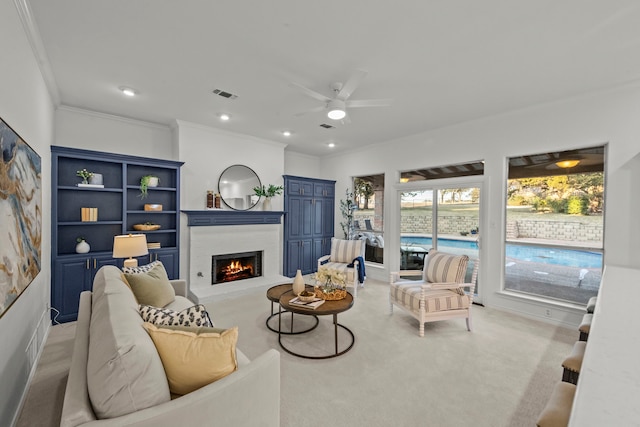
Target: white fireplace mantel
230,217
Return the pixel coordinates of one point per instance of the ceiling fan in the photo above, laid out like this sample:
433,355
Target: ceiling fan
337,105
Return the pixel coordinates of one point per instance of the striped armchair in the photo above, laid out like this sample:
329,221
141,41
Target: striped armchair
440,295
343,254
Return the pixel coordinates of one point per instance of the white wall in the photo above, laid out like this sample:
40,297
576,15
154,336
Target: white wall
207,152
103,132
26,106
595,119
298,164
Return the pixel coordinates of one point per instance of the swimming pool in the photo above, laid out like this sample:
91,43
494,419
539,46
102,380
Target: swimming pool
566,257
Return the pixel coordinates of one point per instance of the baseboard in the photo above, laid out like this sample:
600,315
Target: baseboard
37,355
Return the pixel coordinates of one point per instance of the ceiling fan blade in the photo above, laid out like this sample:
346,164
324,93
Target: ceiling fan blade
369,103
350,86
313,110
311,93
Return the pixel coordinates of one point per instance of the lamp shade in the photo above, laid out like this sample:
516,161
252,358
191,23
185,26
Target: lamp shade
129,246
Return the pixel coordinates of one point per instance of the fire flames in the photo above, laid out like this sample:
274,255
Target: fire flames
236,270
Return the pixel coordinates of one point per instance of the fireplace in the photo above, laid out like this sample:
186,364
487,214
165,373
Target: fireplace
237,266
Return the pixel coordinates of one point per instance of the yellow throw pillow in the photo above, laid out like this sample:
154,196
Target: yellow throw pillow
152,288
193,359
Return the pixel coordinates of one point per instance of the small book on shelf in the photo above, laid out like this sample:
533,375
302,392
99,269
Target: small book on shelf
312,305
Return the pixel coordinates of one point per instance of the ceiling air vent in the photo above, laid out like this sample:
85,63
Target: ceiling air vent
326,126
224,94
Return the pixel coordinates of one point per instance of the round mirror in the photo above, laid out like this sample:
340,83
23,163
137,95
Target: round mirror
236,186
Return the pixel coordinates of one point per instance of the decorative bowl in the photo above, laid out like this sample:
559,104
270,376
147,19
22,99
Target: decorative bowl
334,295
306,296
146,227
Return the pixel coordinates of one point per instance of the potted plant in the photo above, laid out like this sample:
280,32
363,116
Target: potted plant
268,193
85,175
146,182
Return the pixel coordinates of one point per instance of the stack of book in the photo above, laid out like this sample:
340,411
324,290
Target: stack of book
153,245
89,214
312,305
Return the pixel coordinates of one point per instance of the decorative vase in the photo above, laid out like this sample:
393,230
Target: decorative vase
266,204
153,181
298,283
83,247
95,179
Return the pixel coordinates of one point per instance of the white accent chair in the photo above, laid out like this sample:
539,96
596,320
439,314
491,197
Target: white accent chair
343,253
440,295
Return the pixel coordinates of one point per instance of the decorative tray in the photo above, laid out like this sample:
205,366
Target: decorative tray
146,227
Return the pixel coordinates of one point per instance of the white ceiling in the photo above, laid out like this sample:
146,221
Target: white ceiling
442,62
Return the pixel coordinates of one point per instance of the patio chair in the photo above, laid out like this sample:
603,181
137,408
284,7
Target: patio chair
440,295
347,256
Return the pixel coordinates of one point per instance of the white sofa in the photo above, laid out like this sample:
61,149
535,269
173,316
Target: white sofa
249,396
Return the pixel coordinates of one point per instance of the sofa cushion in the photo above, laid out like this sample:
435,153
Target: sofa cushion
124,371
195,316
153,287
345,250
193,359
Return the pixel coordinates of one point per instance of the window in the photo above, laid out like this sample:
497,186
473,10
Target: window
555,224
369,215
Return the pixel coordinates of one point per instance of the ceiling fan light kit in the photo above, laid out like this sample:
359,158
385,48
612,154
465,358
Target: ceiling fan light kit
337,105
336,109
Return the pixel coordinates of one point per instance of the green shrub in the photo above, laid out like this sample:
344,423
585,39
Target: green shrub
557,205
577,205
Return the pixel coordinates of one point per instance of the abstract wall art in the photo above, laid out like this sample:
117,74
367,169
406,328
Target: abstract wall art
20,216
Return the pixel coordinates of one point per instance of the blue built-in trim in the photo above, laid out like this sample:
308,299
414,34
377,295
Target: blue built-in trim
229,217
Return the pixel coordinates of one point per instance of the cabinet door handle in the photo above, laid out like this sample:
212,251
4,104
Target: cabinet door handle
87,263
95,263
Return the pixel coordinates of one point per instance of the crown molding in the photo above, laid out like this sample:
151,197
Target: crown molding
114,117
35,40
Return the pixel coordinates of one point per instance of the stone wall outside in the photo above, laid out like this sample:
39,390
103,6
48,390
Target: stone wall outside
521,228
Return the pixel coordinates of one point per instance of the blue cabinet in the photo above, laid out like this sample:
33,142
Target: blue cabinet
308,222
119,207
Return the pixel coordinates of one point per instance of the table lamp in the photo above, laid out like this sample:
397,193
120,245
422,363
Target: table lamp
129,246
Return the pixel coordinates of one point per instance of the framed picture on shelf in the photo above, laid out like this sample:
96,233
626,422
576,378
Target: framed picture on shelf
21,206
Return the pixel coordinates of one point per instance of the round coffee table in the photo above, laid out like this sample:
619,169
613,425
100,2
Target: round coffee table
273,294
328,308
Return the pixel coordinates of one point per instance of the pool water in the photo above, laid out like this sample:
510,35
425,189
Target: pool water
566,257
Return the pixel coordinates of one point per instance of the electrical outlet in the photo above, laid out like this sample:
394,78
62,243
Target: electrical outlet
548,312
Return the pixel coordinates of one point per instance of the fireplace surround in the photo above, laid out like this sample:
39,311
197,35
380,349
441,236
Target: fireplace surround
224,232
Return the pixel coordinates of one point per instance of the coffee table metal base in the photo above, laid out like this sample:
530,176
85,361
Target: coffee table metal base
291,332
329,356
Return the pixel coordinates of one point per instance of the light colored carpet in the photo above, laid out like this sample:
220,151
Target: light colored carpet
501,374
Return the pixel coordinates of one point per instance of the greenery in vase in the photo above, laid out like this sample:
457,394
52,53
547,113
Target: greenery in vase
84,174
347,207
144,185
271,191
80,239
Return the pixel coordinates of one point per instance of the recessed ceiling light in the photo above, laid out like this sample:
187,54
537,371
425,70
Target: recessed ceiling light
331,145
286,132
224,116
128,91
